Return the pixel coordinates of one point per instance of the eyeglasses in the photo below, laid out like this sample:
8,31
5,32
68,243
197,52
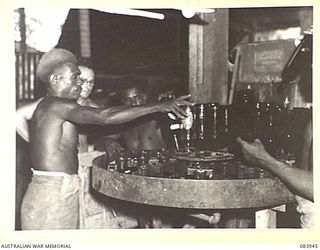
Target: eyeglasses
86,81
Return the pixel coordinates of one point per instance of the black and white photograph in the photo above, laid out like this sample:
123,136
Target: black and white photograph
184,118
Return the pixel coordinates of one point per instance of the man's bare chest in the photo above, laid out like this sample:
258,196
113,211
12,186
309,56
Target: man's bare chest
142,130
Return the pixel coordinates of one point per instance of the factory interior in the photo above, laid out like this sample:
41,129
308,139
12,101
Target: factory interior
248,74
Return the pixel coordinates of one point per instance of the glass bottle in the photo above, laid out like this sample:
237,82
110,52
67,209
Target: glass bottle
201,130
142,169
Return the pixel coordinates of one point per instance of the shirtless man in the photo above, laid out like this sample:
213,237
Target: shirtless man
24,113
298,179
51,201
143,134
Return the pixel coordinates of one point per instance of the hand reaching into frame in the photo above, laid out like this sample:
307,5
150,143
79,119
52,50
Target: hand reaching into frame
173,106
253,151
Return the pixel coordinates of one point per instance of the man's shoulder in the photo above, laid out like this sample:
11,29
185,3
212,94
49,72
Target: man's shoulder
88,102
58,101
56,105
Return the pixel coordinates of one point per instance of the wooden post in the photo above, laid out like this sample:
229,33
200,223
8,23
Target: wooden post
22,26
266,218
84,23
208,58
305,16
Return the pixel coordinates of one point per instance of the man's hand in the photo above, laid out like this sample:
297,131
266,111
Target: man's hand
110,146
173,106
253,151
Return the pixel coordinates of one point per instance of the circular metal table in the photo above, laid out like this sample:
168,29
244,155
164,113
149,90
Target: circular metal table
188,193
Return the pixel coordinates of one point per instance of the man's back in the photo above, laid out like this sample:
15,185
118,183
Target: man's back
53,139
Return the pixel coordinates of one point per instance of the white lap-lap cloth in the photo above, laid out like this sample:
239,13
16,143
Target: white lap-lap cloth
51,202
95,214
306,209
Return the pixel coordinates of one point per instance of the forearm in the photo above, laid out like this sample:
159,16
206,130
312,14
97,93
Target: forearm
117,115
306,152
299,180
24,114
22,128
111,137
122,114
106,116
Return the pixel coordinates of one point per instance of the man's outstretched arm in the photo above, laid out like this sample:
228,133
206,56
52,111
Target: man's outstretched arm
299,180
118,115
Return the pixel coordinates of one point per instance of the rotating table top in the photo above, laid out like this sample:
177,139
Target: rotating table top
189,193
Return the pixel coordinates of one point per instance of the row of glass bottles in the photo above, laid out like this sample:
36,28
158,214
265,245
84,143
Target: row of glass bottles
217,126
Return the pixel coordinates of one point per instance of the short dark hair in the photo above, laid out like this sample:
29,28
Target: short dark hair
53,59
127,89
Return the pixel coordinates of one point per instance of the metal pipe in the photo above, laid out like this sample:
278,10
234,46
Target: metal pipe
133,12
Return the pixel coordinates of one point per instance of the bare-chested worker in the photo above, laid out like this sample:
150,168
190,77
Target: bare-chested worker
24,115
145,133
25,112
298,179
51,201
142,134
